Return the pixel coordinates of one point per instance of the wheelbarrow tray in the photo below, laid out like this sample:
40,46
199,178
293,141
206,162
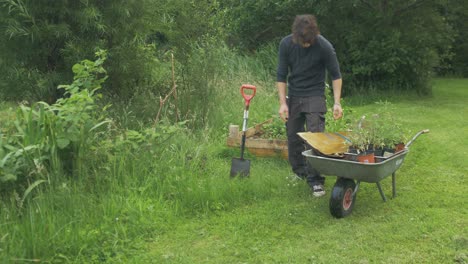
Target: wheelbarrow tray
365,172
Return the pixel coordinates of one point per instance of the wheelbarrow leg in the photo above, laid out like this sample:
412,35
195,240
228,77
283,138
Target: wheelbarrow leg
394,185
381,192
357,188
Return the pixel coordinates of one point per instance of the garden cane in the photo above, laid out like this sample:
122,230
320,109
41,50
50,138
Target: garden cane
241,166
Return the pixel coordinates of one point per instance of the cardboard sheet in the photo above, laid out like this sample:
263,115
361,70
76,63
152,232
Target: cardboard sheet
327,143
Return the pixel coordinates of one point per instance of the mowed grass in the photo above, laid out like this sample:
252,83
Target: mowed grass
425,223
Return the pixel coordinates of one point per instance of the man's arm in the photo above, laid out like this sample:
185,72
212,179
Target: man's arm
281,77
337,110
283,109
333,68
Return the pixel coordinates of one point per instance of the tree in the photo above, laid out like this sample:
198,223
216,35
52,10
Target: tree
456,60
42,39
389,44
250,24
381,44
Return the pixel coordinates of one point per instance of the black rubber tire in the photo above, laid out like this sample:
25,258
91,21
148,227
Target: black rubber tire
341,200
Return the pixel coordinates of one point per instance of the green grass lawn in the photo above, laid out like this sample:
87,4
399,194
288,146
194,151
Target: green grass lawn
425,223
180,206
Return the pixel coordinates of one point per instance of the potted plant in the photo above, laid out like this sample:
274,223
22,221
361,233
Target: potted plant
378,126
394,139
380,133
361,138
389,134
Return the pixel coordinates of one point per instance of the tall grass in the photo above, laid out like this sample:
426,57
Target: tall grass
235,70
124,203
131,183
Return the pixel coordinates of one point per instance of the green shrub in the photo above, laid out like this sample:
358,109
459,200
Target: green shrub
42,140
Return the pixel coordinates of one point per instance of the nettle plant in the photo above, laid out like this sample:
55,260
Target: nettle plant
76,112
42,139
77,117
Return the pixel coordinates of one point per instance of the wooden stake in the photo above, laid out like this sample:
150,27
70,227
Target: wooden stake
173,91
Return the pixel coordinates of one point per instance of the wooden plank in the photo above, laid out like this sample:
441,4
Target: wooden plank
259,143
251,131
262,147
258,146
269,152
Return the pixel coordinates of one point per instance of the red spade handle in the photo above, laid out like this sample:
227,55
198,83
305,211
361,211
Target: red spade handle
248,97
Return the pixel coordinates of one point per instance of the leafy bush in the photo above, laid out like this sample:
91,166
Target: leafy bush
43,138
74,136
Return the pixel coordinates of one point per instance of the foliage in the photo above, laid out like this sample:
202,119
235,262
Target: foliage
41,40
275,130
143,207
389,130
374,40
378,43
339,125
43,139
256,23
360,136
196,93
209,80
50,140
381,129
456,60
134,182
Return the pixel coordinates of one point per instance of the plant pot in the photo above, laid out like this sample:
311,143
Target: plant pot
380,159
352,150
399,147
350,156
387,152
366,157
379,151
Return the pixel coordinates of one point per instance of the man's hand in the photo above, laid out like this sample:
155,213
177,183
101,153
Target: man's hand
284,112
337,111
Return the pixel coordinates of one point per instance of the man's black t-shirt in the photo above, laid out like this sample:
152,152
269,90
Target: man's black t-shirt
307,66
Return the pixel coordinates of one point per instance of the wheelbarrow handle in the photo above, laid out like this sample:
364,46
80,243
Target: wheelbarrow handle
248,97
416,136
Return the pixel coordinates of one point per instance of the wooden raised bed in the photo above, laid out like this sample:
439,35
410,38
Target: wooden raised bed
254,144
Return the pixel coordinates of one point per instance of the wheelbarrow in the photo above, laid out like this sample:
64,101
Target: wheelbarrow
350,174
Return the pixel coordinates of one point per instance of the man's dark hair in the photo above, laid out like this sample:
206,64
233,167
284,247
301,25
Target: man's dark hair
305,29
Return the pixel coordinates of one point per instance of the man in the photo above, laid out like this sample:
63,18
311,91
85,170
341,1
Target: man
304,58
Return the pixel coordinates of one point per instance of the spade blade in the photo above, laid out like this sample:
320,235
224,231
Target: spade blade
240,167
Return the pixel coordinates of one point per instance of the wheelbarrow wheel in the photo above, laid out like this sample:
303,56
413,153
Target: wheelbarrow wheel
342,199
